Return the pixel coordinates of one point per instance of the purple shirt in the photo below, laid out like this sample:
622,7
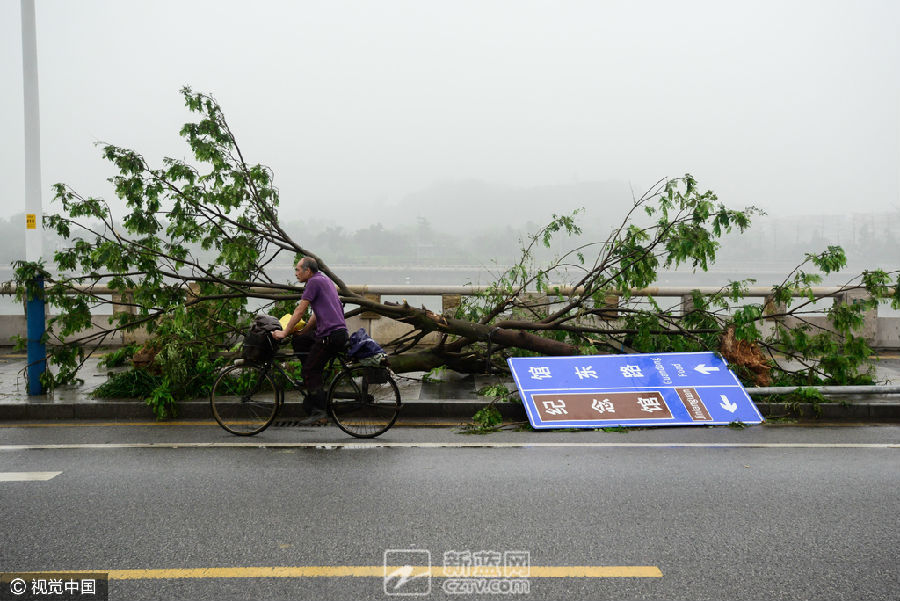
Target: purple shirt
323,298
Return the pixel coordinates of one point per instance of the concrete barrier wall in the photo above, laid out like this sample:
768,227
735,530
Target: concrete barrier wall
383,330
14,325
880,332
887,333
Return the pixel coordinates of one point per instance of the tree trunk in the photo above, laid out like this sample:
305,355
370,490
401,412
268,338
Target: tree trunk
427,321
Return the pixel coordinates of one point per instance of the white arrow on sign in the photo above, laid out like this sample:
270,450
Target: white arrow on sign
727,405
706,369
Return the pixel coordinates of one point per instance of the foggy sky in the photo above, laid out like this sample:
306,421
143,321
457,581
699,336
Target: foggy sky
791,106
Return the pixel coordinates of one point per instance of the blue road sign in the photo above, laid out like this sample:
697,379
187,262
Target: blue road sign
663,389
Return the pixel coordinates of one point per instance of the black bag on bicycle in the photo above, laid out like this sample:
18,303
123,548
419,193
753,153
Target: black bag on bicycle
378,375
259,346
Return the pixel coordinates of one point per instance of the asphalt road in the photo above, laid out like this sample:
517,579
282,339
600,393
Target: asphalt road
692,513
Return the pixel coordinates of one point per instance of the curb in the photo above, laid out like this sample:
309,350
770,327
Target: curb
449,408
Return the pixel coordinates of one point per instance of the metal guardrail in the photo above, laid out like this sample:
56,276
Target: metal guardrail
826,390
9,288
565,290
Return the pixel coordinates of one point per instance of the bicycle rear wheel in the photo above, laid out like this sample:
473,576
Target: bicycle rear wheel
245,399
364,401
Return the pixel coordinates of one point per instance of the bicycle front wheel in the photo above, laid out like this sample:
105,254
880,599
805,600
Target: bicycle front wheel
245,399
364,401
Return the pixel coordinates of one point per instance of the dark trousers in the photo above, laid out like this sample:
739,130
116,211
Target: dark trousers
320,351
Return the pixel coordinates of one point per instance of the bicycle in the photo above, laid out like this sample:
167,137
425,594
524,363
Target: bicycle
363,401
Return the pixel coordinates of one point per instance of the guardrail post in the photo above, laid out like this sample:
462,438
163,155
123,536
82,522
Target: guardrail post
610,309
536,301
124,303
449,302
870,317
687,304
370,315
773,310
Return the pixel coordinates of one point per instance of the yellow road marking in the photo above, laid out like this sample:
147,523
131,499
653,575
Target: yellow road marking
364,572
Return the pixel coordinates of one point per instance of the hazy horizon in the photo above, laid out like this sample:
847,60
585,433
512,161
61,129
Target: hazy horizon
362,108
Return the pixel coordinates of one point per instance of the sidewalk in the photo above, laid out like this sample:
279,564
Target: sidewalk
454,398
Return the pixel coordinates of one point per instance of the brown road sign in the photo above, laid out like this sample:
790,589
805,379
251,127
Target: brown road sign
695,407
611,406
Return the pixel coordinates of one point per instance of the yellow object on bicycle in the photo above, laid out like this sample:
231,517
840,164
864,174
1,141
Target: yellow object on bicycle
286,319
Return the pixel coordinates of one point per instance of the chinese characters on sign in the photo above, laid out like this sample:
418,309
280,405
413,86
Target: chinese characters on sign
557,407
649,404
631,371
609,406
539,373
604,406
585,372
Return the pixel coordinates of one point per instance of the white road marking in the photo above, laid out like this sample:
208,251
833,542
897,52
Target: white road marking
450,445
27,476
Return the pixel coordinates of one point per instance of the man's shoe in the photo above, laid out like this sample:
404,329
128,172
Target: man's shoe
316,418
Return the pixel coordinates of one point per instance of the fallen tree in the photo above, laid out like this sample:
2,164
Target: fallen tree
199,240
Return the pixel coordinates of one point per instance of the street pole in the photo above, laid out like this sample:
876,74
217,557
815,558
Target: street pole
35,315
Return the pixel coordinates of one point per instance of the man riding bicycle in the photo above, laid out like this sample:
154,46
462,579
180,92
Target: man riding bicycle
330,333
